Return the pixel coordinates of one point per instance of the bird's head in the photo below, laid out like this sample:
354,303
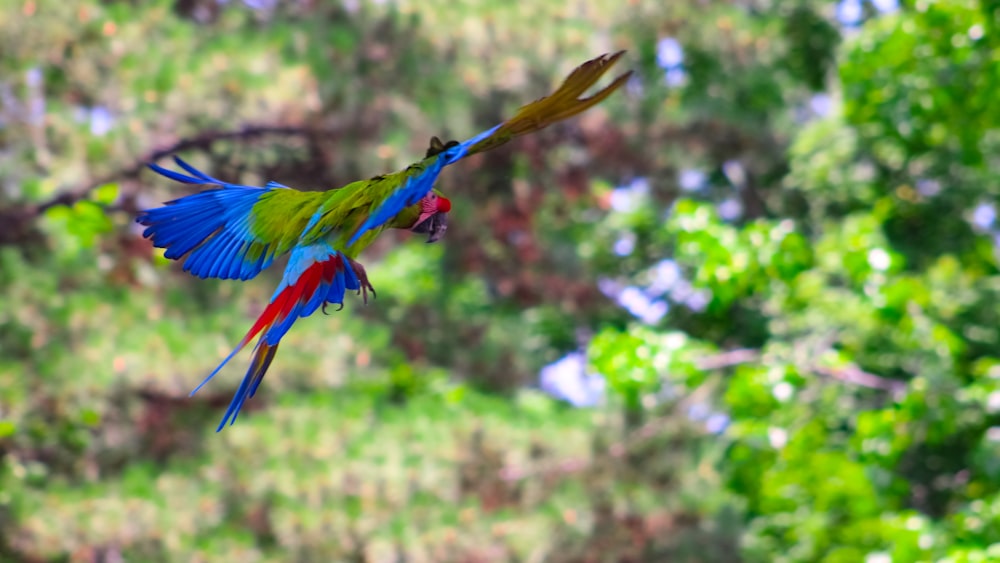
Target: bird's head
433,218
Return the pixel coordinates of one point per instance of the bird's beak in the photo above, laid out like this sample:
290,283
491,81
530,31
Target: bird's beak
435,225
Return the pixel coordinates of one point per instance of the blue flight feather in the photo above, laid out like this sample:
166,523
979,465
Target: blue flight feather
301,261
211,227
416,187
248,387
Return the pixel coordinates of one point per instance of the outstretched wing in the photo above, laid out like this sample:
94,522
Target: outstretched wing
393,193
231,231
562,104
565,102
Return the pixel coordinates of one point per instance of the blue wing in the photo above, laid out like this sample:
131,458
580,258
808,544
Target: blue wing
417,186
564,103
212,227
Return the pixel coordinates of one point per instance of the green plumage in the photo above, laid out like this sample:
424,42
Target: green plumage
280,217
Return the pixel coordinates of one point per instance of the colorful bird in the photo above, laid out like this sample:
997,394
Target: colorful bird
235,232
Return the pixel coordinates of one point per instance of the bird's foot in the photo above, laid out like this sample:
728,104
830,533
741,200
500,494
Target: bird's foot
437,147
366,286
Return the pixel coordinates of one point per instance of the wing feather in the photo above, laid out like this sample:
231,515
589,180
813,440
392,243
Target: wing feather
564,103
226,232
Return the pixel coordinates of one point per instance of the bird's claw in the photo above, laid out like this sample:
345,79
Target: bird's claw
365,285
338,308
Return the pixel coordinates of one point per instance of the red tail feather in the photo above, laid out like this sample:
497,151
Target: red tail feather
315,276
282,305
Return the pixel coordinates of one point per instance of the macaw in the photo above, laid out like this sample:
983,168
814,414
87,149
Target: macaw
235,231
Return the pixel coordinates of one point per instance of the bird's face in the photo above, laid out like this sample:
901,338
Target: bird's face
433,218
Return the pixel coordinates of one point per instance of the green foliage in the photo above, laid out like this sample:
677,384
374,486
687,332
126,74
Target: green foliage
822,383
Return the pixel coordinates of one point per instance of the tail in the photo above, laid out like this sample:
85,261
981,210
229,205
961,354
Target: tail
316,275
213,226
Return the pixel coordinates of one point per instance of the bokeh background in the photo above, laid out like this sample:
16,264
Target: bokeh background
747,309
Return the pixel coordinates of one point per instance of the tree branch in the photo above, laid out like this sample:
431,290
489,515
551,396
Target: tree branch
728,359
848,374
201,141
857,376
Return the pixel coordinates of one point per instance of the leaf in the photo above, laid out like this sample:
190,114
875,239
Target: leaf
106,194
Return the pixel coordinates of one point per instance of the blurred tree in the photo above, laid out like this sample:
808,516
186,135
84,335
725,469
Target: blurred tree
779,250
865,422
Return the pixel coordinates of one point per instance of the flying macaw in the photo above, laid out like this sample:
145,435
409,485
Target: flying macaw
235,232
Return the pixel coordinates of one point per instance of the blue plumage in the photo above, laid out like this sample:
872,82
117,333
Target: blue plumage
332,274
315,275
263,355
212,227
416,187
412,191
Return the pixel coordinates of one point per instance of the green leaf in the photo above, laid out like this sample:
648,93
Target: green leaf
106,194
